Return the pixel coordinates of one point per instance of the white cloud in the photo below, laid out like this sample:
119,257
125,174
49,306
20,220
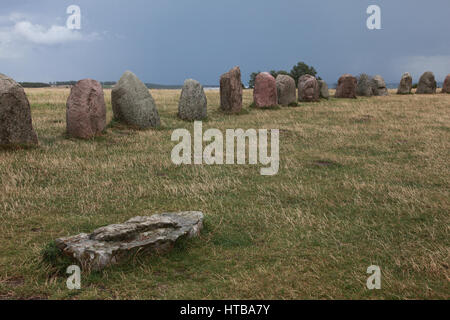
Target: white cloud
13,17
9,48
18,37
40,35
417,65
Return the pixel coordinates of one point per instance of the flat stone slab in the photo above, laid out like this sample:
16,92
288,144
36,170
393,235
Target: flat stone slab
111,244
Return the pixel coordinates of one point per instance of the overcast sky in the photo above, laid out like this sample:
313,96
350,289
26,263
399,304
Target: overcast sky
167,41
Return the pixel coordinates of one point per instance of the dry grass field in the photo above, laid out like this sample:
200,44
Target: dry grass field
361,182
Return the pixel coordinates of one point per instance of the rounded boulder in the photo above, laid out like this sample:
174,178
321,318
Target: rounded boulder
346,87
286,90
133,104
379,86
427,84
364,87
16,127
406,83
324,92
86,110
308,89
265,92
193,103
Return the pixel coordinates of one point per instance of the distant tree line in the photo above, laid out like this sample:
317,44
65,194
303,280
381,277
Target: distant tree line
108,83
59,83
34,84
63,83
297,71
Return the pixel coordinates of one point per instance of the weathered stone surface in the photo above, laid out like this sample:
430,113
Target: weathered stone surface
427,84
379,86
16,127
193,102
324,93
265,92
86,110
133,104
231,91
308,89
446,86
286,90
364,87
111,244
406,83
346,87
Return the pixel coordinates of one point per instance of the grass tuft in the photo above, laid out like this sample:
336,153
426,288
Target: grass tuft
53,257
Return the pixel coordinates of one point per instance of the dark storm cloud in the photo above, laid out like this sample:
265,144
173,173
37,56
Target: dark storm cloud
167,41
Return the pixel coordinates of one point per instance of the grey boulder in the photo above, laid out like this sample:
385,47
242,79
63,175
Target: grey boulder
308,89
427,84
323,90
379,86
364,87
406,83
133,104
286,90
193,103
16,127
145,235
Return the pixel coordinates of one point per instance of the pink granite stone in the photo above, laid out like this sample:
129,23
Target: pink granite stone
231,91
86,110
265,92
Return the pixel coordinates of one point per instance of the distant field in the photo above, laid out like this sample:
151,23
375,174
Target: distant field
361,182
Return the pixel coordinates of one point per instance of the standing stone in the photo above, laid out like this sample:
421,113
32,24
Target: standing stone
364,87
346,87
405,85
133,104
427,84
16,127
308,88
86,110
324,93
286,90
265,92
446,86
231,91
193,102
379,86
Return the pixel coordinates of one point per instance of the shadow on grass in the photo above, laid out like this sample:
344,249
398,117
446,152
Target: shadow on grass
243,111
18,147
324,163
274,107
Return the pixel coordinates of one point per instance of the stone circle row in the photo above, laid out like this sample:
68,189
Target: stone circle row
134,106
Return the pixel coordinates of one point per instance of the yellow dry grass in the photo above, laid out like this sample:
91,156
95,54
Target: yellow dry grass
361,182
